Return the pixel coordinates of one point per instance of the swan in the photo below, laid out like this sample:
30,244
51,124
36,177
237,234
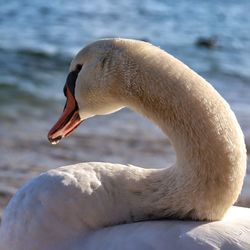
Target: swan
89,205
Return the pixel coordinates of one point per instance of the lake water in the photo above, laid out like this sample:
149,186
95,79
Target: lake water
37,42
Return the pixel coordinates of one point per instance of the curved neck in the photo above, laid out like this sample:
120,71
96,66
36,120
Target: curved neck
210,150
199,123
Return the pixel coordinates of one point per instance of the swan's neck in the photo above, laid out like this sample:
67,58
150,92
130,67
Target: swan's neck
202,128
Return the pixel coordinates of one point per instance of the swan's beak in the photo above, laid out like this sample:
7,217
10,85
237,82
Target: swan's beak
68,121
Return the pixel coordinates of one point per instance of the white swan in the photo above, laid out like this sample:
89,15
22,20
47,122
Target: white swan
59,209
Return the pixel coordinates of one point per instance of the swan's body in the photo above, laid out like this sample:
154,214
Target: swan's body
65,204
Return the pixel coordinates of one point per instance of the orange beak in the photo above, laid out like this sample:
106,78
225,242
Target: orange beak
68,121
70,118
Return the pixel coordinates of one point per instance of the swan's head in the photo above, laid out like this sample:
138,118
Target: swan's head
91,87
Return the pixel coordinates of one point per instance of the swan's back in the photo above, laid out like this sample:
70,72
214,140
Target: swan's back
233,232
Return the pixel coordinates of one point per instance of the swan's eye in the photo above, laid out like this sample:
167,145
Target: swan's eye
78,68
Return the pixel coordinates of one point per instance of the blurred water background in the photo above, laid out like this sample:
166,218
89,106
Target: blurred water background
37,42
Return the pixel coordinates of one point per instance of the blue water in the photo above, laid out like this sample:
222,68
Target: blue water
39,38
